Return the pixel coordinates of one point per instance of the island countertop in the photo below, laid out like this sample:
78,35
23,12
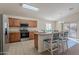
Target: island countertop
43,33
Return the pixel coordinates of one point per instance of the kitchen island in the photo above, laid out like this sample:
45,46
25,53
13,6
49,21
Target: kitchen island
38,40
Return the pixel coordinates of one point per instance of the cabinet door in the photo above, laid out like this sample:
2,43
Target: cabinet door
14,37
11,37
32,23
16,23
13,22
31,35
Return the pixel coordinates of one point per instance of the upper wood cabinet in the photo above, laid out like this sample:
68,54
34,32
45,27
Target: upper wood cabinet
32,23
13,22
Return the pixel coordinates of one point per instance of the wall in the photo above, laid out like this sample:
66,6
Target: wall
41,24
58,26
1,34
77,30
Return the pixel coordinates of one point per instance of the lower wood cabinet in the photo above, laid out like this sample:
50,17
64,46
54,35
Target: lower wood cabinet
14,37
36,41
31,35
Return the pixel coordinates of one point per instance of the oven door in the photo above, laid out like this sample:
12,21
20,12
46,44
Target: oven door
25,35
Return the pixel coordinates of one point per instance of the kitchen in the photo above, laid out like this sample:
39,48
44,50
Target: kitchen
27,31
20,29
19,26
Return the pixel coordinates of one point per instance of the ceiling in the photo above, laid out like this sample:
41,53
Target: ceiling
47,11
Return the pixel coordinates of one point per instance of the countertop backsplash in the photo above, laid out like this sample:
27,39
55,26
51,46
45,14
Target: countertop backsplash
15,29
32,29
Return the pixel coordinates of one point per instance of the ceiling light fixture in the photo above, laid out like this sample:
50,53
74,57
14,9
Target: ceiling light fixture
30,7
71,8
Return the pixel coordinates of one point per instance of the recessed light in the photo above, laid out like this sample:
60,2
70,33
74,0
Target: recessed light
30,7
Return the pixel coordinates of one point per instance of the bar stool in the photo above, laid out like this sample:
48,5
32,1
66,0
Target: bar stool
64,41
53,43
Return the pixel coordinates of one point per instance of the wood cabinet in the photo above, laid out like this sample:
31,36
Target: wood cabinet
13,22
32,23
36,41
31,35
14,37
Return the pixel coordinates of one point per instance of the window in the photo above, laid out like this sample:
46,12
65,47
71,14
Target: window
48,27
71,28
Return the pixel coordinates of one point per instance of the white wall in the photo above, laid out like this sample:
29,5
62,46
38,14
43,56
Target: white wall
77,30
5,37
41,24
3,20
58,26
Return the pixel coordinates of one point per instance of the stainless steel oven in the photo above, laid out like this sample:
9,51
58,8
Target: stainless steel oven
24,33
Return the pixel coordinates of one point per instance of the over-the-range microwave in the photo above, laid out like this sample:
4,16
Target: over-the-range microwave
24,25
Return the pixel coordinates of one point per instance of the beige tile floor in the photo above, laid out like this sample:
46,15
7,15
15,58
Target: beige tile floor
22,48
27,48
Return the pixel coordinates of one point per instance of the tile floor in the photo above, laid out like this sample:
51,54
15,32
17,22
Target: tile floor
27,48
22,48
